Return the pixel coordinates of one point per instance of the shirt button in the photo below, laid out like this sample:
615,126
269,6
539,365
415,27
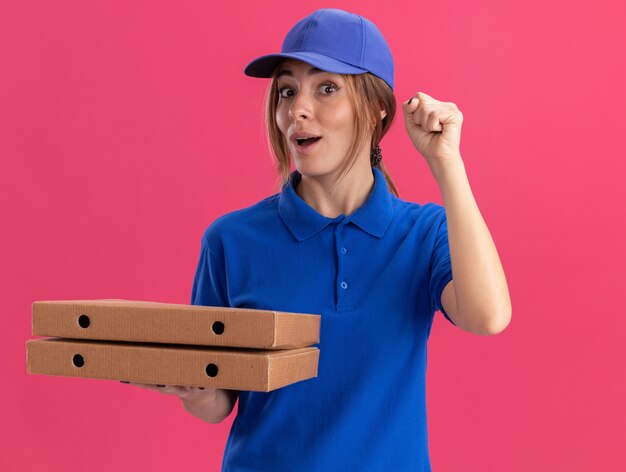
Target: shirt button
343,250
344,285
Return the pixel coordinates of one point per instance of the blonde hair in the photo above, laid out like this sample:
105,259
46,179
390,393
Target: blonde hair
368,94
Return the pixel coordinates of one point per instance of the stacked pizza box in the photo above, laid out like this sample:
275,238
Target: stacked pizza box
173,344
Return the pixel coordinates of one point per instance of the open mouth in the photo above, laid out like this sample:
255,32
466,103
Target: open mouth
305,142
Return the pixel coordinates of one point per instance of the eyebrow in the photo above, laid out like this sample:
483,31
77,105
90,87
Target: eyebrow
312,70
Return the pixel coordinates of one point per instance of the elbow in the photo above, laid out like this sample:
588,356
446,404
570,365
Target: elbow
498,318
487,322
497,323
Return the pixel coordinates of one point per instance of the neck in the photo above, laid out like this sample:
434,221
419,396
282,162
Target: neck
344,197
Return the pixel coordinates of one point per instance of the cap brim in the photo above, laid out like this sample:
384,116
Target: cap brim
264,66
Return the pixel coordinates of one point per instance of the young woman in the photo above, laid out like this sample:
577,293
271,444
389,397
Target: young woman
338,241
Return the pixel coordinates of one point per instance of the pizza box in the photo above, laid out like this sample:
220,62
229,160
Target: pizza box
259,370
156,322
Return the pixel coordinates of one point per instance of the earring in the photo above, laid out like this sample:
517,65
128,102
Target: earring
375,155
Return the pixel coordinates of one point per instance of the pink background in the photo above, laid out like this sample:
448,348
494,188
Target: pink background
127,127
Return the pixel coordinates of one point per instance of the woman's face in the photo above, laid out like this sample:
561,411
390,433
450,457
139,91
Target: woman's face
314,103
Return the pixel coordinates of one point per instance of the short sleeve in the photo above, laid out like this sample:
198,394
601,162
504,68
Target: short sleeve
440,267
209,284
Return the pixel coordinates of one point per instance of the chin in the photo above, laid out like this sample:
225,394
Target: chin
306,167
313,170
312,167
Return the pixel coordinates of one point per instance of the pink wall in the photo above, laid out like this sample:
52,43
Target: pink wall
127,127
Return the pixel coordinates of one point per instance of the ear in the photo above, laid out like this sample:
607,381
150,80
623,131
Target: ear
383,113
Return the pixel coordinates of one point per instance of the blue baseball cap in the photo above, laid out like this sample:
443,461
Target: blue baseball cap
334,41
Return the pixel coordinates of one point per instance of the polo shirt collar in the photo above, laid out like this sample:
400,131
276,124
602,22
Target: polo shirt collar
303,221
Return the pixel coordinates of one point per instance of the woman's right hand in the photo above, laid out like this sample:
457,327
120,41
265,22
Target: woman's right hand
209,404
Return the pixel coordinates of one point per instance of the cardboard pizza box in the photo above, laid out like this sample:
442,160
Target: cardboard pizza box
155,322
167,364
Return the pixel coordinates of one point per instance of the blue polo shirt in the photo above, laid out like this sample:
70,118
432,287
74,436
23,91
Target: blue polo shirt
376,278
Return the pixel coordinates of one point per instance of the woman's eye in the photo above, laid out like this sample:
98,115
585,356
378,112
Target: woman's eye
284,92
328,88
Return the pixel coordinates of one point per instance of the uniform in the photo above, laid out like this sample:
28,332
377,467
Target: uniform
376,278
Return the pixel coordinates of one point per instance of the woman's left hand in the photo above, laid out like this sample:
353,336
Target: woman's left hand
434,127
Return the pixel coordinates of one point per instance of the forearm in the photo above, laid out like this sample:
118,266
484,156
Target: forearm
211,408
483,302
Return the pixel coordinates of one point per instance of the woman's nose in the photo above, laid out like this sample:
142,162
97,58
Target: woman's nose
301,107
